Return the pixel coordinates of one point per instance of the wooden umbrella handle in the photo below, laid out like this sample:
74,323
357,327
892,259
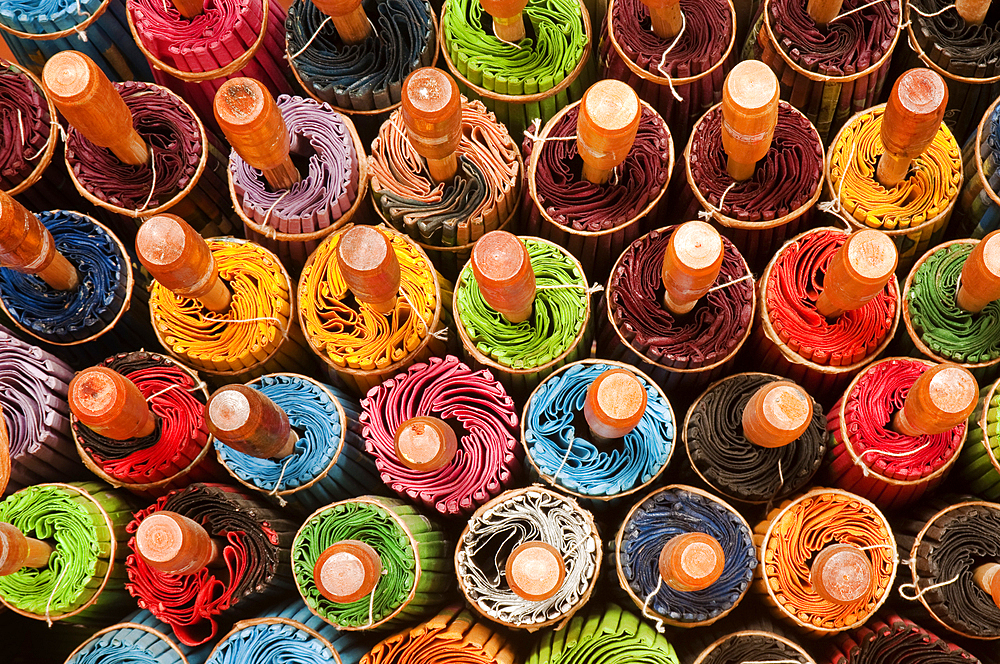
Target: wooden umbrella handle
842,574
171,543
980,281
369,265
425,443
665,16
26,245
180,259
749,116
88,100
972,11
535,571
347,571
502,269
110,404
18,551
939,400
859,271
824,11
911,120
987,578
508,22
606,127
253,125
616,402
249,422
777,414
432,113
189,8
691,265
691,561
348,18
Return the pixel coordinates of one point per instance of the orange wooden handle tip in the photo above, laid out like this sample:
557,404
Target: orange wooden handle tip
777,414
858,272
608,120
911,120
180,259
425,443
987,577
253,125
88,100
972,11
110,404
432,112
665,17
691,561
348,18
980,282
691,265
347,571
535,571
18,551
842,574
823,11
616,402
249,422
939,400
749,116
369,265
508,23
189,8
503,272
171,543
26,245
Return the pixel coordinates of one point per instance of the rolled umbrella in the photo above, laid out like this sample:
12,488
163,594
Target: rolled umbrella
520,73
454,634
445,213
953,548
325,460
915,160
898,429
138,639
224,307
831,57
67,282
37,443
949,305
370,303
624,444
980,203
604,632
684,557
889,639
529,559
754,165
522,309
37,30
625,158
829,307
371,563
688,336
297,171
194,47
288,631
206,553
442,435
979,463
755,438
136,149
148,440
749,644
679,65
62,559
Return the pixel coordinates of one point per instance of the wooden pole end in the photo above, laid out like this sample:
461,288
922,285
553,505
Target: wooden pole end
606,126
859,271
749,116
939,400
842,574
502,269
171,543
425,443
369,265
347,571
691,265
535,571
691,561
110,404
616,402
249,422
432,113
980,281
777,414
911,120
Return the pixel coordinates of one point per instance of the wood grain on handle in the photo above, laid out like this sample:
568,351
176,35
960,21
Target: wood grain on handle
425,443
508,21
370,267
348,18
842,574
859,271
171,543
972,11
605,128
180,259
980,281
347,571
88,100
824,11
535,571
502,269
432,113
26,245
18,551
249,422
189,8
253,125
911,120
691,561
749,116
691,265
939,400
110,404
777,414
665,17
615,404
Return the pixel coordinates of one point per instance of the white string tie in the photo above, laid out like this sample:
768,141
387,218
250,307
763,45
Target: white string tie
311,39
645,606
920,592
706,215
663,59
